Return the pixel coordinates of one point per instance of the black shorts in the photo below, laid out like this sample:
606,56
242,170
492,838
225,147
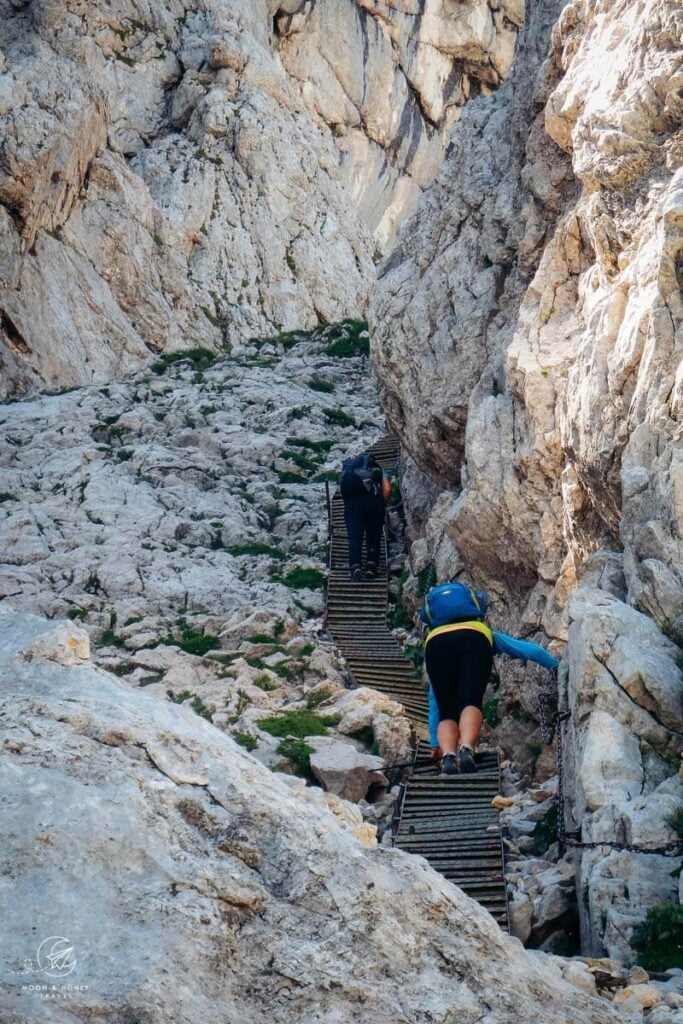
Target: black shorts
459,666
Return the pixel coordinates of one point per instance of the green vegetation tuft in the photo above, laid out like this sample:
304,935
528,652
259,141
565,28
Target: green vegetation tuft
302,461
245,740
534,749
124,668
260,638
298,753
191,640
352,340
6,496
323,475
659,938
77,613
426,579
490,712
254,547
326,387
196,702
153,677
306,442
287,339
199,359
339,418
299,724
318,697
302,579
283,669
670,630
545,833
110,639
288,476
264,682
180,698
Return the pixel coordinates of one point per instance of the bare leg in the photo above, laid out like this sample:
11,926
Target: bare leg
447,734
470,726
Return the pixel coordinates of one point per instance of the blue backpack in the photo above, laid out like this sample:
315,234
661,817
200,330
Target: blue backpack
453,602
360,475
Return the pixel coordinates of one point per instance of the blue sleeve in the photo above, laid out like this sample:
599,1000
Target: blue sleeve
504,644
433,718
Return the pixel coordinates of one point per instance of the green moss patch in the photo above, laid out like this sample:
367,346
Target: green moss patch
326,387
306,442
349,339
339,418
301,579
255,548
264,682
197,358
191,640
490,712
196,702
659,938
298,753
545,833
245,740
298,724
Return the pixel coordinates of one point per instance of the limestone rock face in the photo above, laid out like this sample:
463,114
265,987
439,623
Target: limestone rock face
364,710
196,176
527,328
527,336
261,898
160,189
343,770
624,690
390,81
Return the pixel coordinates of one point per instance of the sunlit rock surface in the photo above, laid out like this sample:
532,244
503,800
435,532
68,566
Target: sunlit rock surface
193,884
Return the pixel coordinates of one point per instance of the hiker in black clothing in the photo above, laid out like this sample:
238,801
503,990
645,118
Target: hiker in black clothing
365,490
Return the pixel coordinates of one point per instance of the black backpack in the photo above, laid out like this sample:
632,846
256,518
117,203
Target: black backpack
360,475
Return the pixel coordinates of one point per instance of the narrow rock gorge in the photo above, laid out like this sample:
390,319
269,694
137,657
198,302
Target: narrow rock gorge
238,243
199,174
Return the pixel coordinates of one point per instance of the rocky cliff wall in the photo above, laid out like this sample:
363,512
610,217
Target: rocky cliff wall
390,80
527,328
196,174
527,335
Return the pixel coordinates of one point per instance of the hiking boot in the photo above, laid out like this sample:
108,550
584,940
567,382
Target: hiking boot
355,574
370,572
448,765
467,762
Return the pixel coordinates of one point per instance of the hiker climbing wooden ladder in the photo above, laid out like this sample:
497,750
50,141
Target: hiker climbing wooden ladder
449,821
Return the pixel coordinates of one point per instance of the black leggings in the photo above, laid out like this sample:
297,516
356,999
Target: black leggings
458,665
364,514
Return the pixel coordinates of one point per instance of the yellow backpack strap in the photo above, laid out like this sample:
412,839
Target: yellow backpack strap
479,627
